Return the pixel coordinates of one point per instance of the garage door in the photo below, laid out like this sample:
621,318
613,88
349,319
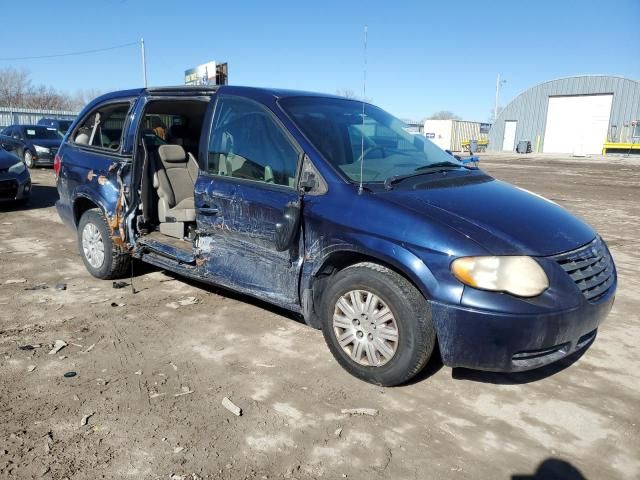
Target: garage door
577,124
509,139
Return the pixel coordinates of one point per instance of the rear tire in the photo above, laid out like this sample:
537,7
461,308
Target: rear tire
374,307
102,258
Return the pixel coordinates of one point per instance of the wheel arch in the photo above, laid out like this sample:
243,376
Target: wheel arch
81,204
401,261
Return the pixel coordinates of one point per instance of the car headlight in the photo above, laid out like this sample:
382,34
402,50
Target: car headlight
18,168
518,275
40,149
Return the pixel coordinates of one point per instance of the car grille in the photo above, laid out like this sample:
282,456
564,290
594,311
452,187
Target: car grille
591,267
8,189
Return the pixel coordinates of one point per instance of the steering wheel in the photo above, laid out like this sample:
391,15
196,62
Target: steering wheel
114,145
368,151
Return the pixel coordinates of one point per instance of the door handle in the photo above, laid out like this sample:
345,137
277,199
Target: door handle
207,210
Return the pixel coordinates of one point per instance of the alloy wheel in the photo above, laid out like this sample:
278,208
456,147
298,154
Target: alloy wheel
365,328
93,245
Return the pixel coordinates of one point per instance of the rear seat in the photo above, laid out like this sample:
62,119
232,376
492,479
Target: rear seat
174,180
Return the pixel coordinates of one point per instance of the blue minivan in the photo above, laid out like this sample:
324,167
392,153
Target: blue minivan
327,207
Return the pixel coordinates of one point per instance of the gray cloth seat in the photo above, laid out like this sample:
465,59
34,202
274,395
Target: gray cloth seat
184,211
174,179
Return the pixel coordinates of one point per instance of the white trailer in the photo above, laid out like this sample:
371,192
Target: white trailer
453,134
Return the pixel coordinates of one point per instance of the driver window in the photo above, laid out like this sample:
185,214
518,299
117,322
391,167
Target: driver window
247,142
103,127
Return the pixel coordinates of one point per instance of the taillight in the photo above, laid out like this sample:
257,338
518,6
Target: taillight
57,163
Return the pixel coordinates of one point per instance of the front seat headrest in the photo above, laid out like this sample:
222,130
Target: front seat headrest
82,139
172,154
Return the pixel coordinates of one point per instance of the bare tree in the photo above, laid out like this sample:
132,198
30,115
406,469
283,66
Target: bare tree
14,86
17,90
84,96
444,115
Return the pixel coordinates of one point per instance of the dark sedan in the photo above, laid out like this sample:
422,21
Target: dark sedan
15,181
41,143
61,125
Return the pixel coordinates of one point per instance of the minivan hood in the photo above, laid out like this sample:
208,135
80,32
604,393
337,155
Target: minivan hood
502,218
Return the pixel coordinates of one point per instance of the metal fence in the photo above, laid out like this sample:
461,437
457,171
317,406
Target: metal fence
28,116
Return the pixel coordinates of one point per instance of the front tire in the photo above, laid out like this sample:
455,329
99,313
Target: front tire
28,159
102,258
377,325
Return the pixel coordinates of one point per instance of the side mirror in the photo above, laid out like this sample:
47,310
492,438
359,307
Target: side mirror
307,181
288,226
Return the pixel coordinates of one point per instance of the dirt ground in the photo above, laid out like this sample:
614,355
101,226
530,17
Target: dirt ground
153,377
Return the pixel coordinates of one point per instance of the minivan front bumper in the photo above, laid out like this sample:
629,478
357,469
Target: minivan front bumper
494,341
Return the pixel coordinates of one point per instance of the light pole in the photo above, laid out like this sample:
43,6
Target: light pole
144,63
499,83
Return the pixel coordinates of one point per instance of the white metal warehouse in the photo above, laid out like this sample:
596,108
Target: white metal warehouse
577,115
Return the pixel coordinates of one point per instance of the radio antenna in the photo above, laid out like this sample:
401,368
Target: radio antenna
364,96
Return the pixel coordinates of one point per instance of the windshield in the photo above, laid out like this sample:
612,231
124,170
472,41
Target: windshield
337,128
63,125
42,133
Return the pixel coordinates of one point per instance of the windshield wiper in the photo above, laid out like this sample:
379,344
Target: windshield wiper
423,170
439,164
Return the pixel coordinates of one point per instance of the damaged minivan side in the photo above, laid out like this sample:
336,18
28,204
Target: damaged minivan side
327,207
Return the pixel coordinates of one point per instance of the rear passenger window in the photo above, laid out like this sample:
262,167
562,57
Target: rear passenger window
247,142
103,127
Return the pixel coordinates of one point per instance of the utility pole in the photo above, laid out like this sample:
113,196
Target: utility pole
498,84
144,63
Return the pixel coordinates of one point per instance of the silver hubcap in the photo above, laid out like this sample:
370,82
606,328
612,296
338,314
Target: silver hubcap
365,328
92,245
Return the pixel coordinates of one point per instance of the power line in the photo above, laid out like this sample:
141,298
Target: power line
84,52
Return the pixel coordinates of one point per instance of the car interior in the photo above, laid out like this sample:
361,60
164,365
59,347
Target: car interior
104,128
168,147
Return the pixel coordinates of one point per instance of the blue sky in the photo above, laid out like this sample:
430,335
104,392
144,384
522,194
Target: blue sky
423,56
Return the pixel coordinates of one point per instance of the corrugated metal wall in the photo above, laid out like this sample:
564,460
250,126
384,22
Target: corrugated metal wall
529,109
28,116
463,130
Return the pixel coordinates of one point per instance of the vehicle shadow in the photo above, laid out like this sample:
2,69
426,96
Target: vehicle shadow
517,378
42,196
552,469
433,366
232,295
